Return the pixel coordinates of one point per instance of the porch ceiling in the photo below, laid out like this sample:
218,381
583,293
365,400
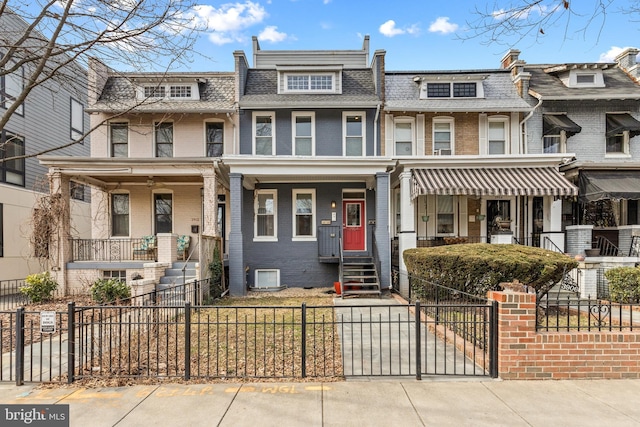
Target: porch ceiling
531,181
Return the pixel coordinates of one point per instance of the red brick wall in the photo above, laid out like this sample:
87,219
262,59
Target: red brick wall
525,354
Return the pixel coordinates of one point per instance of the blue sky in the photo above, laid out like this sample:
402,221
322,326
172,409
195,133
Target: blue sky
417,35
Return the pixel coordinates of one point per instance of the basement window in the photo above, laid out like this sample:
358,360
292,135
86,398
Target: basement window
267,278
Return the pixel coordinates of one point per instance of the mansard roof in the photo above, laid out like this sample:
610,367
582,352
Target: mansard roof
217,94
402,92
358,90
546,81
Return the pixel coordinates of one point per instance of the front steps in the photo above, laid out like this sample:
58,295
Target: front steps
174,276
359,276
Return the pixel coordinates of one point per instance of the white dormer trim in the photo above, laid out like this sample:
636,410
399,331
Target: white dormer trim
174,91
452,81
306,75
583,77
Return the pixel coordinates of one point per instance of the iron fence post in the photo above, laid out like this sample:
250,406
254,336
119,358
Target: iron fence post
304,340
187,340
418,343
20,346
71,342
493,339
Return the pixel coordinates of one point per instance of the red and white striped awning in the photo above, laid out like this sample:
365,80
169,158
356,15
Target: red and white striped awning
532,181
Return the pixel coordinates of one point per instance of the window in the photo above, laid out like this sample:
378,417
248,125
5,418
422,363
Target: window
180,91
267,278
266,211
304,223
442,136
119,214
464,90
585,78
353,130
12,86
164,139
119,275
445,215
303,134
77,120
552,143
12,145
497,136
163,212
1,231
403,135
263,134
154,92
617,136
438,90
119,136
215,138
77,190
309,83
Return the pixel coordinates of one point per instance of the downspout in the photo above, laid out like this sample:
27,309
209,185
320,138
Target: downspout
233,123
527,117
375,131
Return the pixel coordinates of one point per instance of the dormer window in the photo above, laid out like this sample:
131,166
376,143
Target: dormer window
169,91
585,79
309,82
434,87
306,79
180,91
154,92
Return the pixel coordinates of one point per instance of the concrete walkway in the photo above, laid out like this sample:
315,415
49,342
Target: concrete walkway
355,403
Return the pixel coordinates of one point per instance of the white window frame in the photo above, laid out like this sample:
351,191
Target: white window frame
308,77
76,113
162,91
272,115
412,122
256,237
345,115
266,270
451,122
454,212
625,146
598,79
507,132
206,142
562,146
109,136
155,138
294,214
111,214
294,146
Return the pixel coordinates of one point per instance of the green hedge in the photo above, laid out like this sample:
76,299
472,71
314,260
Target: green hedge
480,267
624,284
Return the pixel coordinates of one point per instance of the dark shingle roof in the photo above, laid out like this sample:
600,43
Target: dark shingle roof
217,94
618,84
261,91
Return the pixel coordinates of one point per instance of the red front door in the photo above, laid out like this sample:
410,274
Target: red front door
353,227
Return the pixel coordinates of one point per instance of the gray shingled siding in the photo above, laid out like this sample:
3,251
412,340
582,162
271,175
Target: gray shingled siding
297,261
589,144
328,132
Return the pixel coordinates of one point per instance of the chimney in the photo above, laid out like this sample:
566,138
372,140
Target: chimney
627,60
510,58
97,77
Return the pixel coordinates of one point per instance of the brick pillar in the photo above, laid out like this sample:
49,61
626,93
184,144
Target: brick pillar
167,247
516,328
210,205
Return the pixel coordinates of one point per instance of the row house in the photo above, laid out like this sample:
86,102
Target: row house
52,118
592,111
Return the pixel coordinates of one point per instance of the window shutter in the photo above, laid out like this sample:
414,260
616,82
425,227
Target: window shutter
482,134
388,135
420,134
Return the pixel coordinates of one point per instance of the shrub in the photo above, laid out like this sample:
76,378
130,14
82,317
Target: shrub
215,273
109,290
39,287
624,284
480,267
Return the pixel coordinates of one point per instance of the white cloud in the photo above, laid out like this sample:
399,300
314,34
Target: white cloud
523,12
326,1
610,55
443,26
229,20
271,34
389,29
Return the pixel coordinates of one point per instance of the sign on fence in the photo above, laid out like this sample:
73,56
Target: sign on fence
47,322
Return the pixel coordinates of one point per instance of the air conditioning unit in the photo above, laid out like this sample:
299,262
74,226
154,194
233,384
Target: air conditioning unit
442,152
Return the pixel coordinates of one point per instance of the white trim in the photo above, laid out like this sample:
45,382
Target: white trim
166,86
272,116
452,138
308,75
266,270
412,123
363,115
274,238
362,199
204,131
454,212
155,134
598,79
507,133
111,193
294,116
294,213
154,192
77,119
109,142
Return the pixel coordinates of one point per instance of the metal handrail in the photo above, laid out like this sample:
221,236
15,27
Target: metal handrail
607,248
184,266
548,244
634,249
341,259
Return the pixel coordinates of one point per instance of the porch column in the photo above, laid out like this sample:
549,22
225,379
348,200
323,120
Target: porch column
555,224
407,237
237,286
60,245
210,206
382,228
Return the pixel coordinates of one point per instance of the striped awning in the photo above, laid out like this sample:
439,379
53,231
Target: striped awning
540,181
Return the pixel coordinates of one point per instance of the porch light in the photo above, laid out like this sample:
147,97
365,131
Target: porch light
333,204
480,217
425,218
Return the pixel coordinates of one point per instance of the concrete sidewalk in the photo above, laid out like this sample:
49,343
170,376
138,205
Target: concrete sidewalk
353,403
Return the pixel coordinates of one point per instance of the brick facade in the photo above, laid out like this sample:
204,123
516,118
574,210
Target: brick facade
525,354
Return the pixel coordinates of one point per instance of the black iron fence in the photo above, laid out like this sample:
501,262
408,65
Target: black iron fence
112,250
10,295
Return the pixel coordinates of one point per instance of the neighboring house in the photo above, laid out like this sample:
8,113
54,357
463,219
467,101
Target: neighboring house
465,173
153,170
51,116
309,187
592,110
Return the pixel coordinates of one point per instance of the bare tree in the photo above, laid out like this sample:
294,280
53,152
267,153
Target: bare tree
47,43
509,22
